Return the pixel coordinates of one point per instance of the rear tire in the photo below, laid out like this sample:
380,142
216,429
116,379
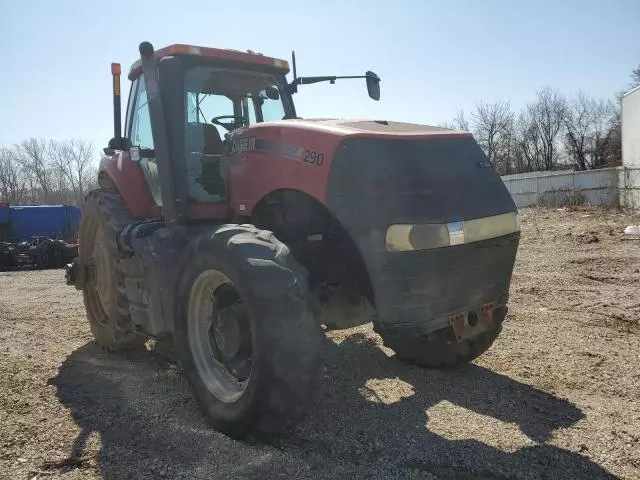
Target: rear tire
271,305
104,213
438,350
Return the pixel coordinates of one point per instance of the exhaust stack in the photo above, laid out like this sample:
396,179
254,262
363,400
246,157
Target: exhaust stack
117,112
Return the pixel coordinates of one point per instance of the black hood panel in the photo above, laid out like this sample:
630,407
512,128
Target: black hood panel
377,182
380,181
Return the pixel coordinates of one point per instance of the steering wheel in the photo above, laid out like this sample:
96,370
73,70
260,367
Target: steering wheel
227,125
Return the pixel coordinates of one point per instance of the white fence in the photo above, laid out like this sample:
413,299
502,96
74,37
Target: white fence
607,186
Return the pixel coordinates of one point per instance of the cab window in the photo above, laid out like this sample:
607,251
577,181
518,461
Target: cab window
141,123
142,137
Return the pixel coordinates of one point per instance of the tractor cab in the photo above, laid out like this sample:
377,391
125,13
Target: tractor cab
201,96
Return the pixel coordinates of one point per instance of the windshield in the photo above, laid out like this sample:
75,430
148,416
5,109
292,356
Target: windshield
231,99
217,101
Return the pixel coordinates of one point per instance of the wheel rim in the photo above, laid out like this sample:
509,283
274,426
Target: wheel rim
99,281
219,336
102,270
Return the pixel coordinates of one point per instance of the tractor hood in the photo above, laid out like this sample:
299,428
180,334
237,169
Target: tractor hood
378,173
363,127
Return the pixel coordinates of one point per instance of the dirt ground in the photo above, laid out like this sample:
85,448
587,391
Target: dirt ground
557,396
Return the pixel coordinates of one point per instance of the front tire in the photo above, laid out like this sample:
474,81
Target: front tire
245,335
104,213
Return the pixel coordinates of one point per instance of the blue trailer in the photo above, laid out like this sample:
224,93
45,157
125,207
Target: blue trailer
44,236
53,221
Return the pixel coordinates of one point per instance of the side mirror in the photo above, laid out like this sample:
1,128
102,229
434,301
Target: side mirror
134,154
120,143
116,144
272,93
373,85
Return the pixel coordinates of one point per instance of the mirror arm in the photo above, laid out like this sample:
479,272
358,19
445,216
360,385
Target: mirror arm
331,79
293,86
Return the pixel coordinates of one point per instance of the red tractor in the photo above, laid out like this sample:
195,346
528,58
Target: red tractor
231,227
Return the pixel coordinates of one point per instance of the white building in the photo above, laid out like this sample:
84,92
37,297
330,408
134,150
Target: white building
630,174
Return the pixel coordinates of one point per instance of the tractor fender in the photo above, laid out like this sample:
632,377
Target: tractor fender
318,238
120,173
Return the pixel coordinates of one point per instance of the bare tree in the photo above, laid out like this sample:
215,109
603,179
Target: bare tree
610,148
40,171
61,191
32,155
587,127
507,147
635,77
74,159
460,121
546,116
548,133
492,125
528,143
13,186
83,159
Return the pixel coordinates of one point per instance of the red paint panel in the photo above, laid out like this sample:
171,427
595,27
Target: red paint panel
255,174
131,184
217,53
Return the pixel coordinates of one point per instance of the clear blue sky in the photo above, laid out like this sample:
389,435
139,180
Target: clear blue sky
433,56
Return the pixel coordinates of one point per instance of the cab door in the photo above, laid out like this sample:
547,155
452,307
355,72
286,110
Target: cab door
138,130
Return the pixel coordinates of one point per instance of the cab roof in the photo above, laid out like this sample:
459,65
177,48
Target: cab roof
249,56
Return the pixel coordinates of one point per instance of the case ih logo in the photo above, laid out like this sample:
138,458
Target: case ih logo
243,144
297,152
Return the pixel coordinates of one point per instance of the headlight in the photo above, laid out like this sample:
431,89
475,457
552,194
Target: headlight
403,238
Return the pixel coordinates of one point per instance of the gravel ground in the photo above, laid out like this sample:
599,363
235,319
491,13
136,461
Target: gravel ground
557,396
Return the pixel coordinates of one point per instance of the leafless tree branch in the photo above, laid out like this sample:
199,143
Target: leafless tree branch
38,171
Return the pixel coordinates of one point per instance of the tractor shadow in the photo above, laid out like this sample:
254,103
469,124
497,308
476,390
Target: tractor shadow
149,426
374,423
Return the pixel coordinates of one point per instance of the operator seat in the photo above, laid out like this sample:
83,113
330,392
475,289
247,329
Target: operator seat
207,177
213,144
206,180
